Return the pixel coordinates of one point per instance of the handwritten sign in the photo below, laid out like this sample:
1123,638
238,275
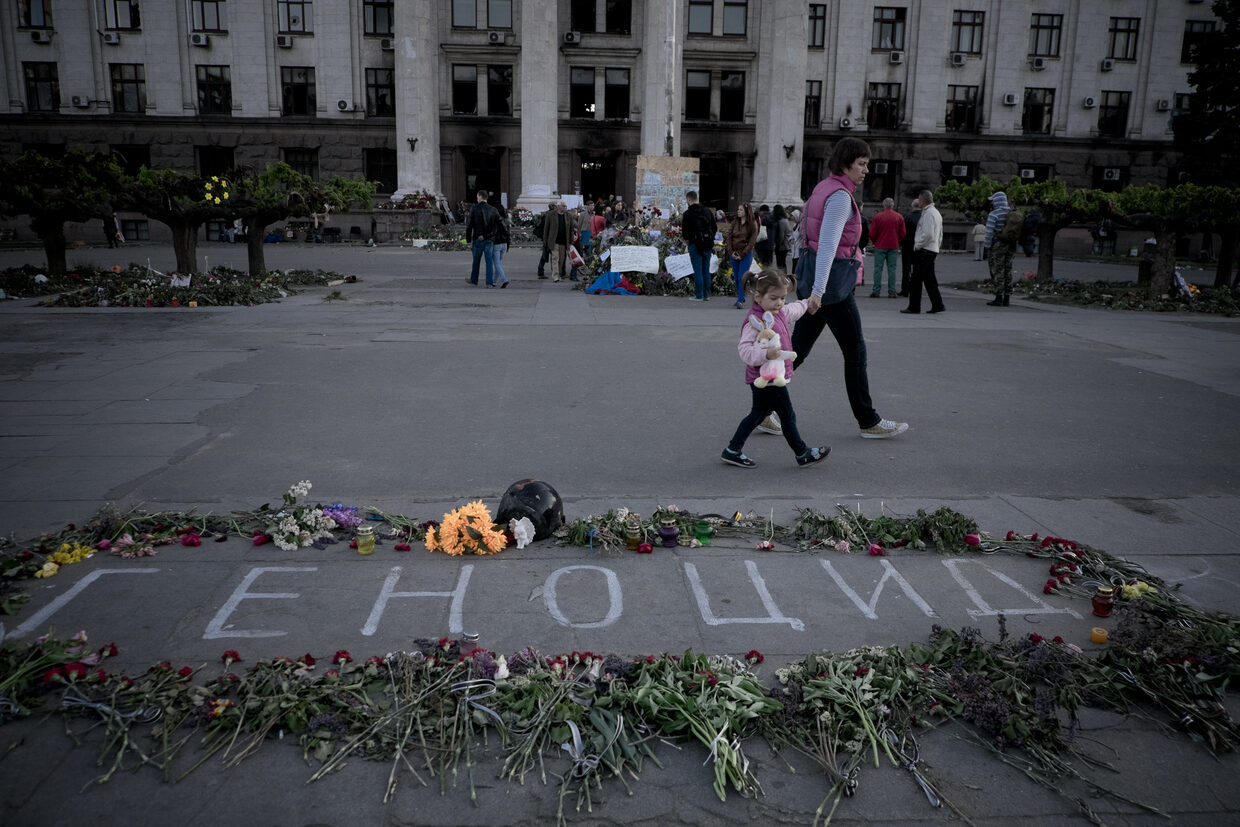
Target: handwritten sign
680,266
633,259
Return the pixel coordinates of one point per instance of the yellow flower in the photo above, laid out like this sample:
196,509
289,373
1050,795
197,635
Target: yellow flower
226,196
208,186
468,528
217,200
214,178
48,570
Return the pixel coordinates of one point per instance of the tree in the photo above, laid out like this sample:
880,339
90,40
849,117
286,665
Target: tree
78,187
278,192
179,201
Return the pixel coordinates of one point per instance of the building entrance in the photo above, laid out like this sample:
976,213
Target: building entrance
482,173
714,174
598,177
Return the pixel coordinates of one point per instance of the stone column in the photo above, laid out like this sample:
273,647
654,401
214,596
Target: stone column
416,36
662,79
539,104
780,96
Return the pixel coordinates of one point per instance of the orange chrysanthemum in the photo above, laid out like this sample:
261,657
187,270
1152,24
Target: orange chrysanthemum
468,528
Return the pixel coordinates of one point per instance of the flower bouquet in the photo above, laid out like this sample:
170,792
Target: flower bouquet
297,526
468,528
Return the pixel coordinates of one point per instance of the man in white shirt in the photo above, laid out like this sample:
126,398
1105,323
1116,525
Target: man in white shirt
926,243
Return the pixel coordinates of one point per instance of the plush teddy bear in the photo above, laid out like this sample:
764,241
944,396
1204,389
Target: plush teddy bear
772,370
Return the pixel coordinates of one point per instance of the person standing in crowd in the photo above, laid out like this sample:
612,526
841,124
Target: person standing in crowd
557,231
540,230
978,233
597,222
499,246
906,246
480,232
764,247
826,275
1001,252
697,226
110,230
742,236
619,216
925,250
783,235
887,233
794,238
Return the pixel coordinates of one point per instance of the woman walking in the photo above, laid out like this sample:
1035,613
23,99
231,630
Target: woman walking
742,235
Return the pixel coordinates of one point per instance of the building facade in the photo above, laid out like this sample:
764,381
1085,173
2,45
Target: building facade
531,98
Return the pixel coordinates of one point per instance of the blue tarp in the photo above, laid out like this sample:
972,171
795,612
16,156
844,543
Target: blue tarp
609,283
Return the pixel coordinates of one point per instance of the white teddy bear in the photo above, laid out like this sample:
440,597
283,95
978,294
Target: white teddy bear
772,370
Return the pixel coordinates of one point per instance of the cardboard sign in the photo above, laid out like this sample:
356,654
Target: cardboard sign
633,259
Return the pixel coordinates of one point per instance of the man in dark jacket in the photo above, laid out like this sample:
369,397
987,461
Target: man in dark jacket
698,227
764,250
480,229
906,244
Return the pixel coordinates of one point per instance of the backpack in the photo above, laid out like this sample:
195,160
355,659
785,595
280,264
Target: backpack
1010,232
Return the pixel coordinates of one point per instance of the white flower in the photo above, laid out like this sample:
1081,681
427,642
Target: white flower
522,530
621,513
301,489
501,668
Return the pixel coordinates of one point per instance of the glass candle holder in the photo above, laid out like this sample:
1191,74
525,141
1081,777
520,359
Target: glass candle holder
668,532
703,530
632,531
365,540
1103,601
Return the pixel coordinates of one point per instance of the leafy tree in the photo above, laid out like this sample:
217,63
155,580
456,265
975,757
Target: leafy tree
278,192
78,187
179,201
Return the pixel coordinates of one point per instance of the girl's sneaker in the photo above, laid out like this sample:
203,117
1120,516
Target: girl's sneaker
813,455
738,459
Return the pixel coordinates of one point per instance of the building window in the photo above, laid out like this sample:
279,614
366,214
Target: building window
1035,119
499,89
697,95
813,103
581,16
377,17
464,89
42,87
34,14
619,18
214,160
732,97
701,16
128,87
615,93
499,14
214,90
208,16
883,106
1124,38
131,157
297,90
1045,31
1113,114
121,14
580,93
817,25
380,93
295,16
888,29
305,161
379,167
735,13
967,31
464,14
1195,31
961,109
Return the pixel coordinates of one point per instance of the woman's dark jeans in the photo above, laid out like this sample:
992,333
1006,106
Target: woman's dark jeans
844,319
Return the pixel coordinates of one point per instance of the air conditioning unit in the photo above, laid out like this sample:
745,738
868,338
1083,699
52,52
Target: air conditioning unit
112,38
1107,64
284,41
960,170
1090,102
846,123
199,39
572,38
880,168
1028,174
1037,64
81,101
1110,174
958,58
343,105
495,38
896,57
387,45
43,36
1010,99
1162,105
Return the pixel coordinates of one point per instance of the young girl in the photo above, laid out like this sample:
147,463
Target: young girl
769,289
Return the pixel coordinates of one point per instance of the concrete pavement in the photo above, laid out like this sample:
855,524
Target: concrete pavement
418,392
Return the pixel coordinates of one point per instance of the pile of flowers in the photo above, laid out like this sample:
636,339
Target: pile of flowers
216,190
419,200
298,525
467,529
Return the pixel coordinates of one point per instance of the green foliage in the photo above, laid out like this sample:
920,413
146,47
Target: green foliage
77,187
1208,134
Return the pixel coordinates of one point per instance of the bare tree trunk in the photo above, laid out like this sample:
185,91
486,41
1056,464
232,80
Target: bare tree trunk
185,245
1046,251
1162,264
254,248
1226,258
54,246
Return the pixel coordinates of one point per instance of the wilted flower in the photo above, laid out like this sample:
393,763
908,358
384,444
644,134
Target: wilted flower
972,539
842,547
230,656
876,550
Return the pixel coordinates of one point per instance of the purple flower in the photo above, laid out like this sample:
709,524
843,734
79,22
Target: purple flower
344,515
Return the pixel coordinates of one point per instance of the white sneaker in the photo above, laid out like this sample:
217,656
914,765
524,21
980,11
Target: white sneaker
884,429
772,425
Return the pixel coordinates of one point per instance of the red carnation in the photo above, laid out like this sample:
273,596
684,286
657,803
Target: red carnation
754,656
230,656
1057,639
261,539
109,651
307,659
1011,535
876,550
1034,637
185,671
973,539
191,538
342,656
402,547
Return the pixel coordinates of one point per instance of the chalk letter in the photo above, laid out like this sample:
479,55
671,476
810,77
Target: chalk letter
983,608
56,605
759,585
615,598
216,629
387,593
889,573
